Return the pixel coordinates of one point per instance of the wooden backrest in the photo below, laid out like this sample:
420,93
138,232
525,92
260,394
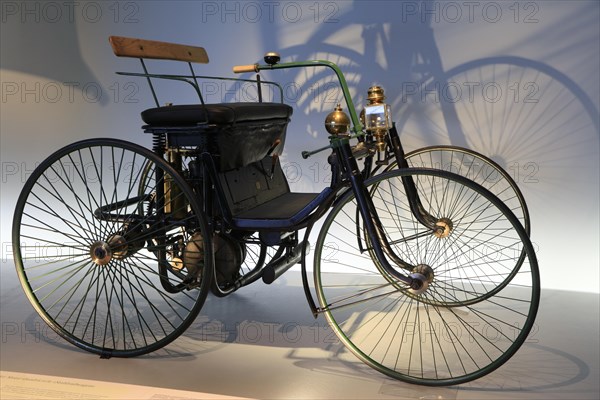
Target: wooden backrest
141,48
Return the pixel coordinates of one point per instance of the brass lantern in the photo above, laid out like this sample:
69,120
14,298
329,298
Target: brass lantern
377,118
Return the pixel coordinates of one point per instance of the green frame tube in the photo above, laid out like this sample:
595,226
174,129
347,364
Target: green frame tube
357,127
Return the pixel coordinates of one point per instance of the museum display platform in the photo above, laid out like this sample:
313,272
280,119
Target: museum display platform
263,343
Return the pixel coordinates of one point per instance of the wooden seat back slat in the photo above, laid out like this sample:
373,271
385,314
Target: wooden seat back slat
142,48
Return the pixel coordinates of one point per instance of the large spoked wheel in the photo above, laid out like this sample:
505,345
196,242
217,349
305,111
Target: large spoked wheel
460,327
110,247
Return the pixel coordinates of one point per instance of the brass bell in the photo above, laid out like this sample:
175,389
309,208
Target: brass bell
272,57
337,122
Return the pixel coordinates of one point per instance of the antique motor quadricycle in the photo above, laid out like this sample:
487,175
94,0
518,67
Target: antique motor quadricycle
425,271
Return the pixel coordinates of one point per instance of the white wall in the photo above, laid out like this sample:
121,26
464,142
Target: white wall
59,86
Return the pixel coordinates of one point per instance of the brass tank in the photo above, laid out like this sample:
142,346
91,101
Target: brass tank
337,122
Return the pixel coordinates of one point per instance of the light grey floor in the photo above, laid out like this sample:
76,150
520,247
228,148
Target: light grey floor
263,343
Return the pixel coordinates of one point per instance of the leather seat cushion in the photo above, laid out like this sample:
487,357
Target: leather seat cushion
220,113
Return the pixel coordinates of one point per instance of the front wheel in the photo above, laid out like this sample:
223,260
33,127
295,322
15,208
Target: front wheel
111,248
461,326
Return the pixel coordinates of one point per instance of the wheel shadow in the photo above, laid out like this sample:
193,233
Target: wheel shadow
535,369
512,109
254,318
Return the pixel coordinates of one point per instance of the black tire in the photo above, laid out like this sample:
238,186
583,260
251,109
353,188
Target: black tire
110,277
455,331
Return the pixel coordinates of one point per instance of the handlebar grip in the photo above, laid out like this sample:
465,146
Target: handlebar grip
238,69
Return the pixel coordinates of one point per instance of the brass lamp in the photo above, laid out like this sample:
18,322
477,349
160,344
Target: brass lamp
377,118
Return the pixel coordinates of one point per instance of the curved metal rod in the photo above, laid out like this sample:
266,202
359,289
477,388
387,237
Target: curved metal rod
357,127
186,78
381,247
103,213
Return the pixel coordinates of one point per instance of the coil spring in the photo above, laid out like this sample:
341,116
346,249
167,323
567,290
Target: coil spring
150,206
159,143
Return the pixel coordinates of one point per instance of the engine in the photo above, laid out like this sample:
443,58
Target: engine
229,256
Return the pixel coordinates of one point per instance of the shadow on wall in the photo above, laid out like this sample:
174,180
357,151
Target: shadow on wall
495,105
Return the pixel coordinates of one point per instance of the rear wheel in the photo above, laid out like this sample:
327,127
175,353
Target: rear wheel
111,247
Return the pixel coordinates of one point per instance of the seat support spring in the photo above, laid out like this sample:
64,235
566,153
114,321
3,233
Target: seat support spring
159,143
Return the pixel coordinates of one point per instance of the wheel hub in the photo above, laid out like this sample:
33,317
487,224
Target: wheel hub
443,228
115,247
100,253
423,275
118,246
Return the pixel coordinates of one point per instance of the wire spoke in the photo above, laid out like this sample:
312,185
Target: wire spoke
94,247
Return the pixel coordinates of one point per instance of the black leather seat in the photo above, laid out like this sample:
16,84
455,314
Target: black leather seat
238,134
219,113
